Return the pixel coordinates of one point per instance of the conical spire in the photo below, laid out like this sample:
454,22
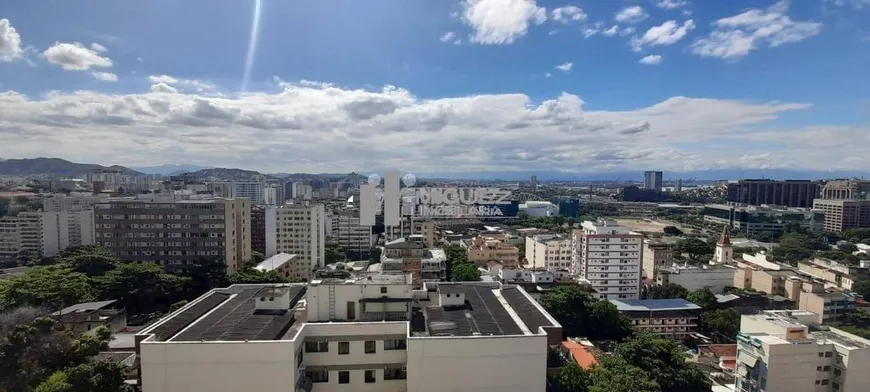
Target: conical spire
724,239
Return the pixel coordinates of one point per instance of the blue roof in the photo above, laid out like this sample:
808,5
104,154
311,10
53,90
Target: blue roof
654,304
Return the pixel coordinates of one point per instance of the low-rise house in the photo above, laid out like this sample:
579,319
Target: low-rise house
672,318
87,316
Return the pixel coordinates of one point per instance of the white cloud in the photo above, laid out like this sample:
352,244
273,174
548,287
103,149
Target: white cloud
672,4
547,75
10,42
565,67
457,42
105,76
633,14
736,36
187,84
613,30
627,31
98,48
75,57
497,22
319,127
667,33
568,14
651,59
855,4
448,36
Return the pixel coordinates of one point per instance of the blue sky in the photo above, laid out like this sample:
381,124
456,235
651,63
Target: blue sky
752,54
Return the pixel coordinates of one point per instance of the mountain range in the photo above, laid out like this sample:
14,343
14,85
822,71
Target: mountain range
53,167
169,169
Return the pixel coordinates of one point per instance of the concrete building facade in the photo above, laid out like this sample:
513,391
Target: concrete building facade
548,251
652,180
656,255
610,257
298,229
841,215
61,230
21,236
671,318
789,193
176,234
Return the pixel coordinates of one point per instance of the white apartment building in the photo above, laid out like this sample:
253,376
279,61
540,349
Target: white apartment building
298,229
351,333
777,353
410,255
251,190
548,251
20,236
273,195
61,230
716,277
349,234
610,257
61,202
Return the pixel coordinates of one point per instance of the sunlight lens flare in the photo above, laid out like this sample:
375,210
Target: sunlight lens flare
252,44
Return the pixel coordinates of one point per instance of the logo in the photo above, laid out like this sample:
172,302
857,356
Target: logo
449,202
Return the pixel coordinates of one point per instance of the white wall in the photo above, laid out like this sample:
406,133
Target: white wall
218,367
271,216
495,364
317,299
716,279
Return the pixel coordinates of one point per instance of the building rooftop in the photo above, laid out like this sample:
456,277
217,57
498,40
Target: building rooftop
361,278
487,311
581,354
84,307
653,305
841,338
274,262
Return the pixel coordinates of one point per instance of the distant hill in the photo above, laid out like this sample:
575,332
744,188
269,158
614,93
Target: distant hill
226,174
170,170
53,167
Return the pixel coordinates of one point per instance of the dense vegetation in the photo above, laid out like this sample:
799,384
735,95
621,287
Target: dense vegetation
459,269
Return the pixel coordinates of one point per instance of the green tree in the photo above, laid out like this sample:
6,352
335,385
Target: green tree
252,276
665,363
95,264
672,230
606,323
695,248
703,298
52,286
204,275
256,258
178,305
139,287
722,324
582,315
466,272
838,255
618,375
793,227
455,255
334,255
862,287
848,247
572,378
665,291
98,376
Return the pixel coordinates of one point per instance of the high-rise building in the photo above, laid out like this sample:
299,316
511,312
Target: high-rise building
841,215
678,187
297,229
534,182
656,255
610,257
788,193
61,230
345,332
61,202
273,195
258,229
846,190
253,191
21,236
176,234
652,180
548,251
777,352
354,238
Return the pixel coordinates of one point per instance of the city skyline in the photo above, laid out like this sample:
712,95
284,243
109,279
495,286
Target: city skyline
472,86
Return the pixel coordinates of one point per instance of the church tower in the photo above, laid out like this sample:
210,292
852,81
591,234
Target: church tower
724,251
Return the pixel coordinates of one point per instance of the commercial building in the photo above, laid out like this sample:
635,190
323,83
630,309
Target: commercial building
652,180
788,193
273,195
481,250
258,229
411,256
841,215
351,333
297,229
548,251
176,234
672,318
714,277
846,190
350,235
759,220
64,229
539,208
656,255
834,273
610,257
253,191
75,202
21,236
776,352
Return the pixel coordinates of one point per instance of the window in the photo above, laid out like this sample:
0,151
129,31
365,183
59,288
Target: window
343,348
370,376
317,347
825,382
395,344
321,375
818,368
827,368
829,354
383,290
392,373
837,372
371,347
344,377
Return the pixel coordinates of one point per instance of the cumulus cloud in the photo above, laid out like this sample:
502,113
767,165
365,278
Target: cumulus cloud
75,57
672,4
98,48
736,36
651,59
10,42
320,127
633,14
448,36
667,33
610,32
568,14
186,84
565,67
497,22
105,76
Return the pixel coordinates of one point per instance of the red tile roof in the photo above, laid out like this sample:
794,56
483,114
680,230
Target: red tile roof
582,354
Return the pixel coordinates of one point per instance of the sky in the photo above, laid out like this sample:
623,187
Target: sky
439,86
